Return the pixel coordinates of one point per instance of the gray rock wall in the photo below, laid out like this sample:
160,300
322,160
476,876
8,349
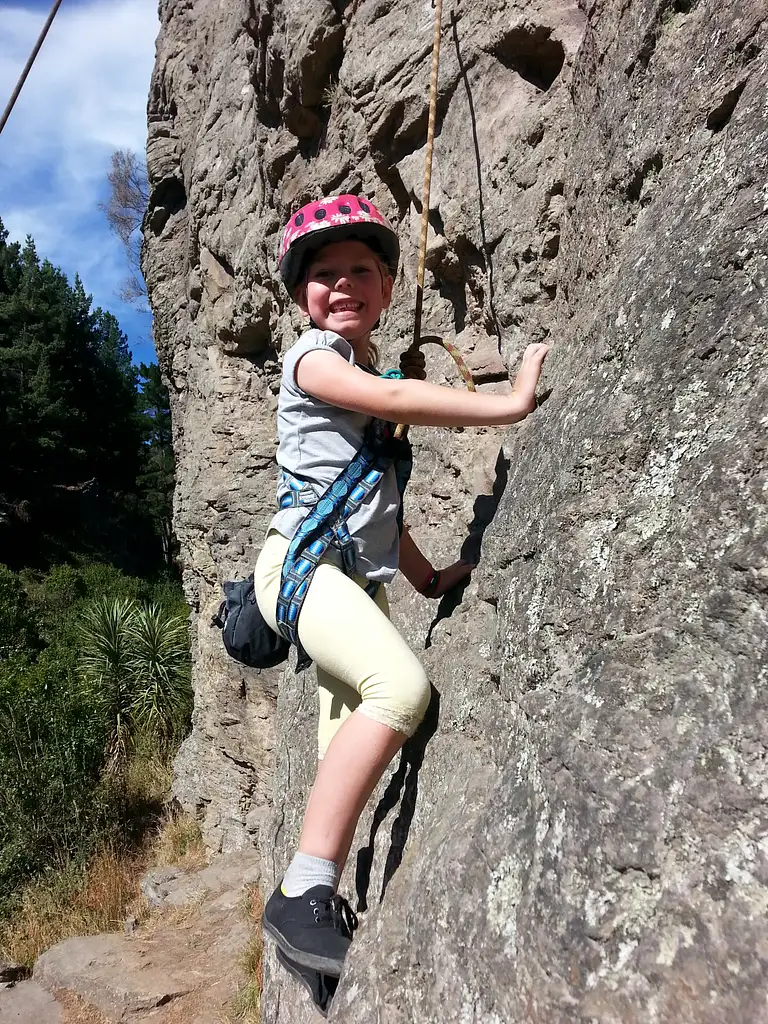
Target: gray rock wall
579,831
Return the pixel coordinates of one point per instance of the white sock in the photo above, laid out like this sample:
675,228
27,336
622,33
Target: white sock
304,872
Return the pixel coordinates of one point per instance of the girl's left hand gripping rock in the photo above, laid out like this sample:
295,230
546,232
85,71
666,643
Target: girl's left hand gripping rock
452,575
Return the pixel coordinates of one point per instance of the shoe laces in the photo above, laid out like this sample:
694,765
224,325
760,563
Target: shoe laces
336,910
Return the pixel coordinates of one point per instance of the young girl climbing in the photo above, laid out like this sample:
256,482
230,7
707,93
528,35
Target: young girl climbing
338,258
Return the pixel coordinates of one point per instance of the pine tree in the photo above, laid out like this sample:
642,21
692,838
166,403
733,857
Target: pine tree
77,433
156,475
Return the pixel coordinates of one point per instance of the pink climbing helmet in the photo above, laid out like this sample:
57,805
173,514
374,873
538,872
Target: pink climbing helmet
334,219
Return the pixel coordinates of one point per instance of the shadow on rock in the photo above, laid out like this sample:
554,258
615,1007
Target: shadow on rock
404,782
485,508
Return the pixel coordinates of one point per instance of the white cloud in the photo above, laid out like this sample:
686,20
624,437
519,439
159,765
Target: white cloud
85,97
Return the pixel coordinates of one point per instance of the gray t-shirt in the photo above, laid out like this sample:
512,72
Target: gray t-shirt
318,441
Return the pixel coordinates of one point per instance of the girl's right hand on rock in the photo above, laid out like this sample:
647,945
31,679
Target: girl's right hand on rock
524,388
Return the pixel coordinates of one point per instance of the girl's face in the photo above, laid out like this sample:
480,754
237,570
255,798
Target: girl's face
345,289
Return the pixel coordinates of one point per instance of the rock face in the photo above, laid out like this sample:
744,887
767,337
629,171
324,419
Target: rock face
578,833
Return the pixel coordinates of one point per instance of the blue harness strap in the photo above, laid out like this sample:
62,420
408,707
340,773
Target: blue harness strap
325,525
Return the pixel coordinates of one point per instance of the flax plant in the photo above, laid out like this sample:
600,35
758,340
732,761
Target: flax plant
158,661
135,665
105,669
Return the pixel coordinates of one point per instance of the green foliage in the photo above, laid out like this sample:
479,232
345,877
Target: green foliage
51,754
64,586
86,460
94,675
157,475
94,662
134,662
104,665
158,659
67,387
17,626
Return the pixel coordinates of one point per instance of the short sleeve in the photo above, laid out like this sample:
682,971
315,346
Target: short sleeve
308,342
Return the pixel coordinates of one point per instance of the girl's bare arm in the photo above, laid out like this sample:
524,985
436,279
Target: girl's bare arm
329,377
417,568
413,564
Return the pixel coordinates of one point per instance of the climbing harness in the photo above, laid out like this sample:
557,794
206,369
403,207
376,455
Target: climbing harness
326,523
247,637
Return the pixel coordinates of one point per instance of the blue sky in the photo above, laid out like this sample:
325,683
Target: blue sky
85,97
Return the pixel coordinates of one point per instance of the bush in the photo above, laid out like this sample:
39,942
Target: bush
158,645
61,727
64,587
18,632
51,756
135,664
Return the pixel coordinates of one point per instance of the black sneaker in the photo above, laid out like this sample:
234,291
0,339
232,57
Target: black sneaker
314,930
321,987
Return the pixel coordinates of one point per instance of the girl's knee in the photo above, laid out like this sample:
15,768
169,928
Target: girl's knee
399,702
420,694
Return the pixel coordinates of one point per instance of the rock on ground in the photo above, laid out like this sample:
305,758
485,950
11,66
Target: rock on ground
183,968
28,1003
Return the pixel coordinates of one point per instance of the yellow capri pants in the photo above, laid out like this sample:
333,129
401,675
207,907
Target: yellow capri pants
361,659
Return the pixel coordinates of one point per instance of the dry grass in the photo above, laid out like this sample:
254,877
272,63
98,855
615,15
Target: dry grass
98,899
73,903
179,841
77,1011
148,777
333,96
246,1006
155,919
254,952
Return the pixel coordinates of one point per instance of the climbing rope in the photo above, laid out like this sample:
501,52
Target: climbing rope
28,66
433,339
418,341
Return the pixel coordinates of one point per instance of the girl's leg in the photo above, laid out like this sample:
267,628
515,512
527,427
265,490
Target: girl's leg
346,777
355,646
351,639
338,701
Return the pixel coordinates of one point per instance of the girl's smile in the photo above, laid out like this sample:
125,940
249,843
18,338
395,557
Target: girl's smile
345,289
